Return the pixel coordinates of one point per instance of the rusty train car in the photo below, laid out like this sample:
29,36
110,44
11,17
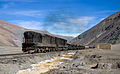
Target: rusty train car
38,42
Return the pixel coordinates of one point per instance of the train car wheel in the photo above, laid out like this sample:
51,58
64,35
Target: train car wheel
48,49
39,50
44,51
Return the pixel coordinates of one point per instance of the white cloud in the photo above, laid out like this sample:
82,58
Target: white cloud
25,13
81,20
39,26
28,24
5,6
30,0
31,13
18,0
106,11
69,34
62,25
72,25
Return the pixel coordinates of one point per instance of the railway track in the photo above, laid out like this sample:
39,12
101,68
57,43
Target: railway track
12,54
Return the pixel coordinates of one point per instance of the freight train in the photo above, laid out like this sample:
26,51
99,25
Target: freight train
38,42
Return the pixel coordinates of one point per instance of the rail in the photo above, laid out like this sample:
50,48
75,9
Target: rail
12,54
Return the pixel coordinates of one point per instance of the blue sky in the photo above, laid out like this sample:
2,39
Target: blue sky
64,17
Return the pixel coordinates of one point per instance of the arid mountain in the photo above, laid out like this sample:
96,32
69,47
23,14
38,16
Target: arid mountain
11,35
107,31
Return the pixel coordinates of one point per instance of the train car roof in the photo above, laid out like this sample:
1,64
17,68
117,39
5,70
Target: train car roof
35,32
44,34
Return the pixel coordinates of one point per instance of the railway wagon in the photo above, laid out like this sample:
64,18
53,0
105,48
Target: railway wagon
75,47
38,42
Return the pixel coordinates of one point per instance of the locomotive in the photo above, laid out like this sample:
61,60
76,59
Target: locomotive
38,42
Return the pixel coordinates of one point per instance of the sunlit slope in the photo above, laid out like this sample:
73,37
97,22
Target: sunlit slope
10,35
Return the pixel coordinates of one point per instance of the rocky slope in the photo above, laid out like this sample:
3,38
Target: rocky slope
11,35
107,31
91,61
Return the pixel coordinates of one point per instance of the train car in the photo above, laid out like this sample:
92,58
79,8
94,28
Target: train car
37,42
75,47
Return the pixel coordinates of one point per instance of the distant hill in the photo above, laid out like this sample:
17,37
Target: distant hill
11,35
107,31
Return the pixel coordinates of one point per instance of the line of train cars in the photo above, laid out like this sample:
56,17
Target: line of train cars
38,42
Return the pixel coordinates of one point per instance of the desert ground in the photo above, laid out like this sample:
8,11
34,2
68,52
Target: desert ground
89,61
10,50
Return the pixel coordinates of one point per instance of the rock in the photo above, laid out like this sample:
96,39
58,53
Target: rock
118,64
63,66
95,67
93,56
15,60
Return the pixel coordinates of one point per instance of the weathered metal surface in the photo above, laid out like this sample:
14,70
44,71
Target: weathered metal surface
37,42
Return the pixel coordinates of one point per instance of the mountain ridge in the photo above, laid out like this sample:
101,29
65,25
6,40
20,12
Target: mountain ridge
103,32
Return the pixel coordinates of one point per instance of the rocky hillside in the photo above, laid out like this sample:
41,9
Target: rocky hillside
107,31
11,35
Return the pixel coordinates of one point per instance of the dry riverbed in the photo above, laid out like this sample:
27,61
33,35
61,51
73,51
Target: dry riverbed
46,65
89,61
17,63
